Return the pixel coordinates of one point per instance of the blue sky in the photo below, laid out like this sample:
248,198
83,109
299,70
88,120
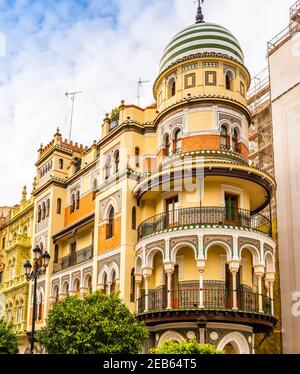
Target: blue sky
100,47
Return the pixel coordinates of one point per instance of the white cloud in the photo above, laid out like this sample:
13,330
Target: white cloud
57,46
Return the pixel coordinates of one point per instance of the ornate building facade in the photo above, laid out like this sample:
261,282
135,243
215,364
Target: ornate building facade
165,207
15,242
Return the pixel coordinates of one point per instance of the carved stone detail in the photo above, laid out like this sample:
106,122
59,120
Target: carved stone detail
227,239
244,241
159,244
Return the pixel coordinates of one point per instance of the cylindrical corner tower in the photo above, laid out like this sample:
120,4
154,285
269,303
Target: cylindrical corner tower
205,258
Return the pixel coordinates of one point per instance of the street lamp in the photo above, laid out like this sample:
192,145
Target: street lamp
39,268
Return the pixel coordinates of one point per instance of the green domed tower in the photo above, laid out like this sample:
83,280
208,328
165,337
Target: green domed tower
205,266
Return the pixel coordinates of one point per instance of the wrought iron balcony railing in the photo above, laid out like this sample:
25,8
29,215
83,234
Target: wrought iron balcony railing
71,260
220,216
214,298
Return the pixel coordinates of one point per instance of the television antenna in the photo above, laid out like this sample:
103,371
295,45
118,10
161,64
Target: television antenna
72,95
139,86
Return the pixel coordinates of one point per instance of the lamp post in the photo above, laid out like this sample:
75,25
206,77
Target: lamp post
40,264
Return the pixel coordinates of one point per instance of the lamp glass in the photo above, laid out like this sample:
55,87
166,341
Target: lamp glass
37,252
46,259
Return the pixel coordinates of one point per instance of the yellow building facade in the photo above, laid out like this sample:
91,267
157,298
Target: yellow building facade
15,239
165,208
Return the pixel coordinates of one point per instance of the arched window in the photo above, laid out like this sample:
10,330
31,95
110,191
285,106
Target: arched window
60,163
177,141
110,226
56,253
39,214
25,230
43,211
58,206
117,161
132,286
133,218
167,147
48,208
137,157
171,87
235,141
73,202
77,200
229,76
224,137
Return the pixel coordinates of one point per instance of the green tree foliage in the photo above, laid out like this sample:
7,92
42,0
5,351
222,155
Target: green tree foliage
114,113
8,339
98,324
184,347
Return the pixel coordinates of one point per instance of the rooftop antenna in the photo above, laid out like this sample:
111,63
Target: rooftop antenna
199,16
72,95
139,86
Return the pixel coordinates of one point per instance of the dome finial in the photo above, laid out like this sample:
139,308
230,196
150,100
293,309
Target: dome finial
199,16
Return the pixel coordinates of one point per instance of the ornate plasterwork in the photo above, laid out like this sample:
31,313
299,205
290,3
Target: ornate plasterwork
247,241
115,200
268,248
208,239
193,240
159,244
108,261
86,271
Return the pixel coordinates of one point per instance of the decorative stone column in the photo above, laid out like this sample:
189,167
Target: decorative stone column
234,268
62,296
138,283
270,279
101,288
169,270
147,272
83,292
201,268
259,272
272,297
52,300
109,287
146,280
259,284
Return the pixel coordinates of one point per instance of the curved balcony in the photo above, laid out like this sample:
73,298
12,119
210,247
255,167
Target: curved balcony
204,216
215,304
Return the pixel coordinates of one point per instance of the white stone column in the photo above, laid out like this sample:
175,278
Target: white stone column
234,268
109,287
146,280
169,289
259,286
201,268
201,298
169,267
83,291
272,297
138,284
234,290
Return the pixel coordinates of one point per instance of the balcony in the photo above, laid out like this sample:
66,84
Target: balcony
19,240
204,216
211,303
15,282
66,262
215,298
